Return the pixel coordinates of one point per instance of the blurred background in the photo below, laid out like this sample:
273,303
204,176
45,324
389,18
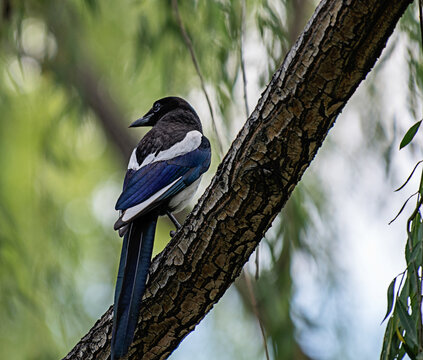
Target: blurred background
74,74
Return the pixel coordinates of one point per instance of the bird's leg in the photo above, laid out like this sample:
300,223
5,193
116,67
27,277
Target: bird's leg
175,222
173,219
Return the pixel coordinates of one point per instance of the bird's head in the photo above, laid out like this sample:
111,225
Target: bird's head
160,108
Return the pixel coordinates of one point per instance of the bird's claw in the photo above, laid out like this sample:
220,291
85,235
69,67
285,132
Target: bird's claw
172,233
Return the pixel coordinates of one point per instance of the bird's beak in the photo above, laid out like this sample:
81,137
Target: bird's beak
144,121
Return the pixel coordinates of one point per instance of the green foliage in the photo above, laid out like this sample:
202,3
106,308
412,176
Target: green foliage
404,331
410,26
409,135
61,170
45,173
62,167
391,290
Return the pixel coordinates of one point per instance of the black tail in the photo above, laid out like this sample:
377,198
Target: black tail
130,284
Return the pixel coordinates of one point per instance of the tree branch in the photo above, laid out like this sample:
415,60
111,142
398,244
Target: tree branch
337,49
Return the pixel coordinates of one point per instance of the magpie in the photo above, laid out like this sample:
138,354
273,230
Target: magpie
163,174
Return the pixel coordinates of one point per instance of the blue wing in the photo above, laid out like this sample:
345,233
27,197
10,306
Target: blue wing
182,171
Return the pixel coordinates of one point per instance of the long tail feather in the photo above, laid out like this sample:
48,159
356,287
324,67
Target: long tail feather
130,284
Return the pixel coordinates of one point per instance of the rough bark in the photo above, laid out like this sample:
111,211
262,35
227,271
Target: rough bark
338,47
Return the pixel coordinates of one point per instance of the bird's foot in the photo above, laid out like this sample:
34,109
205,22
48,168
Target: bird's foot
172,233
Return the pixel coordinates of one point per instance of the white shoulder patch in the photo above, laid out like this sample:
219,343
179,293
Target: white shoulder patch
190,142
133,163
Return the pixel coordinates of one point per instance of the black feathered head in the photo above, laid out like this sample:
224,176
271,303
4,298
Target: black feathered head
163,107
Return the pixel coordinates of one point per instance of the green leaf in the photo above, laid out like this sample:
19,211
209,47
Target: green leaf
391,297
402,207
409,135
410,176
407,324
410,352
416,254
389,350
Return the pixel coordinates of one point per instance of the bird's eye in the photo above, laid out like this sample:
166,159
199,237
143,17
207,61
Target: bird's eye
156,107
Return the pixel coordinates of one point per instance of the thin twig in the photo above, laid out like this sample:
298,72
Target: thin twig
256,312
409,177
190,47
241,55
402,207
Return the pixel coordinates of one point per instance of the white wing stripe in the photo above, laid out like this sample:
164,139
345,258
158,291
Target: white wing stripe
131,212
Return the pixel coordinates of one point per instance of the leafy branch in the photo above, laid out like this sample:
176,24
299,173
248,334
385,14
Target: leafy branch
404,331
